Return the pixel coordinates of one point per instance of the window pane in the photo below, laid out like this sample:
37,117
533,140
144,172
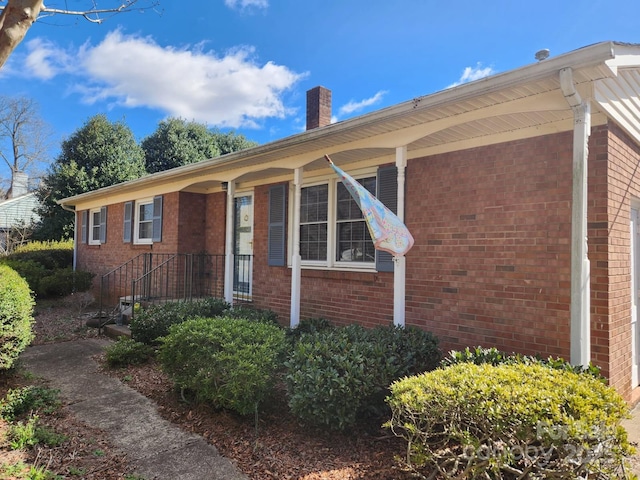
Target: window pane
313,242
145,229
144,221
347,208
95,226
354,242
145,212
313,222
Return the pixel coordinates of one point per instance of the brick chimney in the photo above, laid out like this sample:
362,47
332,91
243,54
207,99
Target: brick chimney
318,107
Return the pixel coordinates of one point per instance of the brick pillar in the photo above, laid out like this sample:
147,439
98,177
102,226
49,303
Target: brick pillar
318,107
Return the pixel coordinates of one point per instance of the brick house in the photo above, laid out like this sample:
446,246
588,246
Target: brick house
522,191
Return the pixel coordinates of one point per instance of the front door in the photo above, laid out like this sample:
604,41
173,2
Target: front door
243,246
635,285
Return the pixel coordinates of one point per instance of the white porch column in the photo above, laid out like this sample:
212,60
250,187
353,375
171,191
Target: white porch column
228,258
580,265
295,259
400,262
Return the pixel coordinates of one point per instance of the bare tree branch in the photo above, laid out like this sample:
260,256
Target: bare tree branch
17,16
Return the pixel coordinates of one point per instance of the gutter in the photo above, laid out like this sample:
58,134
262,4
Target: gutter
580,335
582,58
75,233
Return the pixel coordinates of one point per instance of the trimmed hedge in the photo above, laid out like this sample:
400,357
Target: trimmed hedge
16,316
510,421
153,322
231,363
337,375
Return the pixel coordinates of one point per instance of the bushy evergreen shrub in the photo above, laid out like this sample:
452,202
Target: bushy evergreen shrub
153,322
16,316
51,255
30,270
253,314
229,362
510,421
335,375
493,356
64,281
126,351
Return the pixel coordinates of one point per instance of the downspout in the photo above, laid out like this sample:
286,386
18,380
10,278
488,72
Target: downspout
75,234
580,266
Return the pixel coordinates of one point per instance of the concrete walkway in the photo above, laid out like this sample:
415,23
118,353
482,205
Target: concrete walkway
155,448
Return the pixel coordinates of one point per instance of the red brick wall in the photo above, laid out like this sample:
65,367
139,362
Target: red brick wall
615,181
491,262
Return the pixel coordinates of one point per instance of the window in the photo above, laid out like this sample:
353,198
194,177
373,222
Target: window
143,221
94,226
143,231
332,228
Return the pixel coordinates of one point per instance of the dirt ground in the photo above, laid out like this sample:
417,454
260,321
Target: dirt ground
277,448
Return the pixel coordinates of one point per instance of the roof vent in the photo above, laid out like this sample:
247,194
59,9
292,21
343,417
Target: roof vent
542,54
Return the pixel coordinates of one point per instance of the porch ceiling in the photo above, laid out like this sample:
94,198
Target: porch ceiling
517,104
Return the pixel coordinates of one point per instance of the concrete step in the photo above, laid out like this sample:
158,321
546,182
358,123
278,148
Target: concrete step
117,331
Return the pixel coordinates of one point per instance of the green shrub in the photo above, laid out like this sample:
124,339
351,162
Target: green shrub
228,362
493,356
309,325
510,421
154,321
27,434
51,255
64,281
126,351
253,314
19,401
30,270
335,375
16,316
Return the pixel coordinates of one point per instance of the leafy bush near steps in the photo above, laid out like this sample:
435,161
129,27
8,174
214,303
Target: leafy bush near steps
229,362
126,351
16,316
510,421
493,356
64,281
153,322
335,375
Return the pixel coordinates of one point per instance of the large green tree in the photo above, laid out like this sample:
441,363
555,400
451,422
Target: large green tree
178,142
99,154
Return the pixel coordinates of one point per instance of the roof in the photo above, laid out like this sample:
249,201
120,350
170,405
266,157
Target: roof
520,103
18,210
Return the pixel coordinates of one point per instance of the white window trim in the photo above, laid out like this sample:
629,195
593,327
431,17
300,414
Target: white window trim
331,263
136,222
90,239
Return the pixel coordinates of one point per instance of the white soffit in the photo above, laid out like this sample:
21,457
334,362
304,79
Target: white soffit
619,97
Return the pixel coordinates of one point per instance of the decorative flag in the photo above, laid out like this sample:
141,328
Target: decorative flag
386,229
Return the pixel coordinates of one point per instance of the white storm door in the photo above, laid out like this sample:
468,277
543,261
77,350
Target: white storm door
243,246
635,284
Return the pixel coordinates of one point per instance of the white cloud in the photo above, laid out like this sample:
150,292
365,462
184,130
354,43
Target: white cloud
354,106
473,73
244,4
45,60
133,71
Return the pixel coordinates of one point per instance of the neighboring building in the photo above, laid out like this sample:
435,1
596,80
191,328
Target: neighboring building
522,191
18,210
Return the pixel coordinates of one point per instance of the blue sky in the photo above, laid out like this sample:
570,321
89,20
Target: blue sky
246,64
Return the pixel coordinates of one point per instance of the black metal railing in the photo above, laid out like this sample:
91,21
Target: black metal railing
156,278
